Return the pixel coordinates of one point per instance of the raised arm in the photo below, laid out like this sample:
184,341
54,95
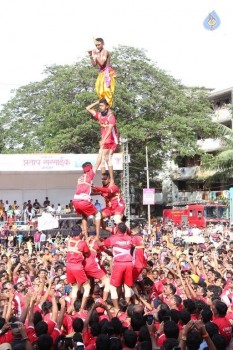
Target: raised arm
87,320
153,337
23,332
109,189
205,335
61,313
5,308
45,296
31,311
144,302
16,269
41,289
191,293
54,307
25,308
94,306
90,109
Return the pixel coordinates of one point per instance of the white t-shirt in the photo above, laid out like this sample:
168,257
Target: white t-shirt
43,237
196,231
6,206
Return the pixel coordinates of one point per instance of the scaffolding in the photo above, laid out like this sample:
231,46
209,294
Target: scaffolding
125,178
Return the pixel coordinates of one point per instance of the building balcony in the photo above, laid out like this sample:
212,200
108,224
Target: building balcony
222,115
210,145
199,197
183,198
185,173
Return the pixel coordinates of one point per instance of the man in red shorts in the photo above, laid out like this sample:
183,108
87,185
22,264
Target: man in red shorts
122,269
77,250
139,260
115,205
82,198
109,134
91,265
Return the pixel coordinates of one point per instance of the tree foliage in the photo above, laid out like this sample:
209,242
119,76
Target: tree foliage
152,109
220,164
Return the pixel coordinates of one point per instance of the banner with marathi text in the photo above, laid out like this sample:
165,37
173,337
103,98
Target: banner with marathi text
51,162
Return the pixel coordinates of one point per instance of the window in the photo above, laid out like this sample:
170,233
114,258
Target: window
210,212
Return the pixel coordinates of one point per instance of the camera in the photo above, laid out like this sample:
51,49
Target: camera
80,347
68,343
14,325
149,319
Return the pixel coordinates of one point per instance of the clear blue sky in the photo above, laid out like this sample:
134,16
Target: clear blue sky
36,33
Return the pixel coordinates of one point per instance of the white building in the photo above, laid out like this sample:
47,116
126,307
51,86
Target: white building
180,184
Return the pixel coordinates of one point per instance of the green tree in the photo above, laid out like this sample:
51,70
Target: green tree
152,109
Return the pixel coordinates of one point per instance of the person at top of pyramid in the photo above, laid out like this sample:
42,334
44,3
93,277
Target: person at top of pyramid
105,82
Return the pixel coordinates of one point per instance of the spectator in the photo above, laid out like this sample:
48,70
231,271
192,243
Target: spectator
37,240
58,210
46,202
42,238
98,205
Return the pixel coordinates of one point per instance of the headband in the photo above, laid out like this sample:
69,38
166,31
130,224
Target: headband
87,168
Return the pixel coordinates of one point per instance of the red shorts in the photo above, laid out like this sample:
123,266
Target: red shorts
120,209
84,208
95,272
111,146
122,272
75,275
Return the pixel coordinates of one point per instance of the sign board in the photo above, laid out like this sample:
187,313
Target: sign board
148,196
52,162
231,206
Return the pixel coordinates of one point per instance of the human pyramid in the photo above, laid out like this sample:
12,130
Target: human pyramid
84,248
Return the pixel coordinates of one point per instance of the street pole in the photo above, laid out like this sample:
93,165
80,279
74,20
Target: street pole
148,186
231,206
125,178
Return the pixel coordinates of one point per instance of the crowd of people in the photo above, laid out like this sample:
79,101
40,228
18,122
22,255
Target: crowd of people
160,293
30,210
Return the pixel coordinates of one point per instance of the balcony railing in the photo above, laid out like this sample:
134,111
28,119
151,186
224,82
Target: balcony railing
185,173
210,145
182,198
222,115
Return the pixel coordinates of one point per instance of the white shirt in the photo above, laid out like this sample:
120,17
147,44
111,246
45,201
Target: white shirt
177,233
43,237
196,231
6,206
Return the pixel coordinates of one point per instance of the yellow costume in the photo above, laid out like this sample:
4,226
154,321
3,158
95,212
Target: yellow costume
105,84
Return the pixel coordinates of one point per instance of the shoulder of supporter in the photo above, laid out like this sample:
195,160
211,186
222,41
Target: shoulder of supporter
114,188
